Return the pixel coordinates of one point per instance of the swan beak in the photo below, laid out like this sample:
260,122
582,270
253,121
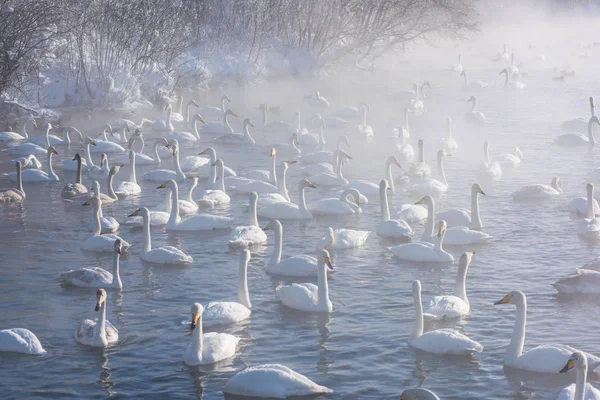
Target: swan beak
164,185
328,263
87,203
53,150
174,150
201,119
291,162
213,164
203,153
442,230
35,123
357,201
195,178
481,191
92,141
397,163
328,246
195,104
234,114
251,124
101,294
569,365
135,213
195,318
266,228
504,300
311,185
74,158
421,201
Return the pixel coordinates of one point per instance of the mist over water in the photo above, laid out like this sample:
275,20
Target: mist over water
360,350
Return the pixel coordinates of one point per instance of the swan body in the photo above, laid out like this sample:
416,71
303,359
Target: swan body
440,341
223,128
340,239
20,340
212,198
489,171
425,251
24,149
578,139
251,234
462,217
97,242
37,175
412,213
432,187
341,206
579,205
208,348
307,296
539,191
99,171
238,139
295,266
16,137
272,380
163,175
74,189
543,359
187,137
582,281
164,125
390,228
214,111
289,210
474,116
589,227
511,84
580,390
14,195
448,143
418,394
106,146
476,85
513,160
99,332
96,277
273,126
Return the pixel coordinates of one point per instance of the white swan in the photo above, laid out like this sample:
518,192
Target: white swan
160,255
20,340
578,139
164,125
325,156
140,157
432,187
340,239
390,228
69,164
99,332
251,234
95,277
372,189
214,111
289,210
231,312
333,179
295,266
53,140
223,128
183,136
235,138
37,175
579,205
589,227
488,171
216,197
178,116
546,358
317,100
334,206
112,196
539,191
97,242
264,175
580,390
472,85
462,217
288,149
273,126
412,213
208,348
130,187
364,128
74,189
14,195
24,149
440,341
458,66
29,162
457,305
512,160
265,199
208,169
416,105
425,251
272,380
512,67
100,171
162,175
420,170
186,207
14,136
309,140
582,281
511,84
578,124
474,116
199,222
307,296
105,145
448,142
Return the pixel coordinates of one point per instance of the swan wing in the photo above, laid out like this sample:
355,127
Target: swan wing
245,236
20,340
412,213
298,266
88,277
348,238
548,358
282,211
446,341
224,313
461,235
395,229
300,296
581,281
167,255
456,217
441,307
217,347
202,222
330,206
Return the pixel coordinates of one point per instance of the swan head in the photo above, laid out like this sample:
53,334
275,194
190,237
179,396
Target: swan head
253,197
577,360
472,99
118,246
420,143
305,183
208,152
175,146
272,153
383,185
245,256
515,297
52,150
589,187
463,73
275,225
441,154
101,298
329,238
344,139
557,184
393,160
198,117
168,107
94,201
131,155
504,71
218,163
476,188
415,87
518,153
197,310
229,112
193,103
96,187
108,128
428,200
344,155
486,146
142,211
248,122
76,158
325,259
442,226
91,141
594,119
465,258
416,288
171,184
286,164
48,126
114,170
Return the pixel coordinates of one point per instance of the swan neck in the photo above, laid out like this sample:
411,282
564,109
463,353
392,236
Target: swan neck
282,185
19,179
147,237
174,206
428,231
213,169
78,176
441,171
323,290
421,153
438,241
590,204
228,128
474,105
265,115
187,113
132,177
448,129
385,207
253,212
276,258
506,79
197,346
116,271
50,169
96,218
156,155
460,289
388,176
195,127
178,171
243,295
418,329
111,190
24,129
88,156
591,132
486,156
168,204
580,382
515,348
100,328
272,173
47,138
475,216
302,203
191,193
222,178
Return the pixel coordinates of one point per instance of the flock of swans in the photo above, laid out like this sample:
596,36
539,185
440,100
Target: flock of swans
284,144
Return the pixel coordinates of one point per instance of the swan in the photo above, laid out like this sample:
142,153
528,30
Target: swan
160,255
403,132
310,140
327,168
214,111
333,122
546,358
208,169
474,116
325,156
472,85
579,205
208,348
130,187
243,138
74,189
272,380
580,390
512,160
15,137
582,281
251,234
162,175
412,213
231,312
86,163
178,117
294,266
317,100
432,187
512,68
390,228
223,128
288,149
102,170
589,227
364,128
489,171
502,56
425,251
95,277
99,332
37,175
186,207
53,140
265,199
441,341
341,206
105,145
578,124
273,126
97,242
448,306
448,142
340,239
164,125
307,296
140,157
160,218
25,149
337,179
416,105
462,217
349,112
458,66
418,394
289,210
183,136
577,139
372,189
199,222
420,170
14,195
216,197
457,235
20,340
509,84
539,191
29,162
269,176
112,196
